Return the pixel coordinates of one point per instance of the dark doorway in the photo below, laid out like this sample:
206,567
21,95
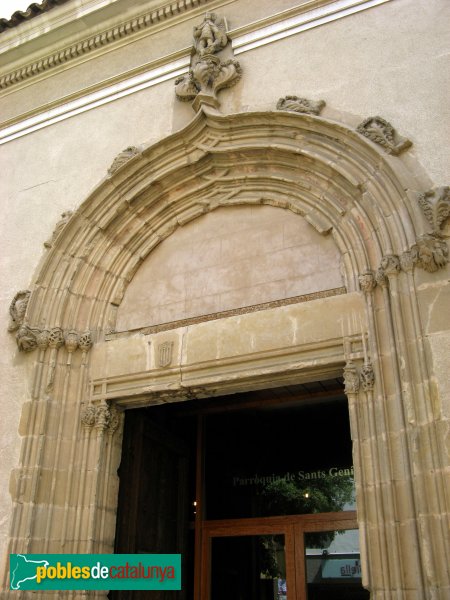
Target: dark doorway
232,484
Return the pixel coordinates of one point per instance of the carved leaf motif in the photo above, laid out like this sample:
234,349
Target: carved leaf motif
18,308
381,132
300,105
427,207
229,74
185,88
435,205
205,72
65,218
430,252
443,211
122,158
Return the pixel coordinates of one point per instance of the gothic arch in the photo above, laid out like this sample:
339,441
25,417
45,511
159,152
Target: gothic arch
344,186
322,170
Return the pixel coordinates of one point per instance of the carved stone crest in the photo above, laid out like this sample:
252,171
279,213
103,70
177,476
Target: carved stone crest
65,218
165,351
122,158
381,132
208,73
300,105
17,309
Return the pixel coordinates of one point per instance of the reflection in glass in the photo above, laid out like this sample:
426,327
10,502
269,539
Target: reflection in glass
248,568
290,461
333,566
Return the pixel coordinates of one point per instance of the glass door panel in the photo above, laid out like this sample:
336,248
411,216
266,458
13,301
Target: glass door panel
250,567
333,565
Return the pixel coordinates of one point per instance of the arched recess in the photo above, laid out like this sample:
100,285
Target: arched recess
344,186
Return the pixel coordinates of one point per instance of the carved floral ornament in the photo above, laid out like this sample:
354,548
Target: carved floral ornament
17,309
60,225
300,105
208,73
382,132
122,158
430,252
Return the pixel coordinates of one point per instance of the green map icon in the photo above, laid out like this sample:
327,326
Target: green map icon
23,569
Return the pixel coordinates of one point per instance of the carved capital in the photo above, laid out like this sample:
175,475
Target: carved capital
381,132
71,341
390,264
29,338
381,278
351,378
407,260
102,417
435,205
56,338
300,105
88,415
114,419
17,309
26,338
367,282
85,341
122,158
367,377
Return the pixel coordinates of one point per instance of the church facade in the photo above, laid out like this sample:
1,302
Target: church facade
225,235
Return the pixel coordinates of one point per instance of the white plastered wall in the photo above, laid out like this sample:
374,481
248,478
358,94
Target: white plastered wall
387,60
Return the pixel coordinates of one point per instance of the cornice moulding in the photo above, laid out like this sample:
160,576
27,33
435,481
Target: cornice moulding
174,65
294,21
73,48
277,26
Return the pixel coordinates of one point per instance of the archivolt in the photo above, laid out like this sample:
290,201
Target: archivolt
319,169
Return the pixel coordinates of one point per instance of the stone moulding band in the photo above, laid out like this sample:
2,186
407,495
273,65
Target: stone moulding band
232,312
298,23
259,35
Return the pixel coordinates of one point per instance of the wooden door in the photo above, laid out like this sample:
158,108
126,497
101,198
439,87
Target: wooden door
153,498
300,575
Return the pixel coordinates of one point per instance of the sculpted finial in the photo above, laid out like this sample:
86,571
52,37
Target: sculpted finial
208,73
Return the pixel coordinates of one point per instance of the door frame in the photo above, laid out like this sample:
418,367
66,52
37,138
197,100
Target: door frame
292,527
